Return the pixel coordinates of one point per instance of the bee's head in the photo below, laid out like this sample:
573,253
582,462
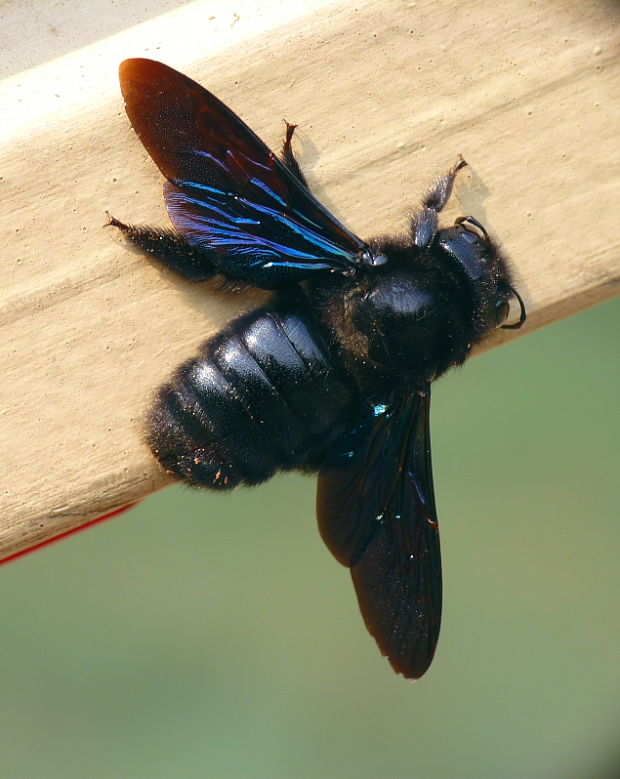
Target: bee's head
468,244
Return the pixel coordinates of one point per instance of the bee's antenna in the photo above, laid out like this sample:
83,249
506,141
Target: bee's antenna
522,316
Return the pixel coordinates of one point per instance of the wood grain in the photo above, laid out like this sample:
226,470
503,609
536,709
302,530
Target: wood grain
385,95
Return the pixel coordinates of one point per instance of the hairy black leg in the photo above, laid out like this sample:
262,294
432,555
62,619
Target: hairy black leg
288,157
439,194
168,247
424,222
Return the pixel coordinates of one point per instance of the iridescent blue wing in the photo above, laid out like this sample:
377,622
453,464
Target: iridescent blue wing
376,511
227,194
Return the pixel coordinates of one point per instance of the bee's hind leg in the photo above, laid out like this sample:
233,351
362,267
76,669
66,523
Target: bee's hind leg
170,248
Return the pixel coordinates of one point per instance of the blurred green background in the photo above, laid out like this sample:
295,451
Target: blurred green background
208,636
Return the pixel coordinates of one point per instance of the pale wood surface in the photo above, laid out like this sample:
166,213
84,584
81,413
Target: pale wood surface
386,95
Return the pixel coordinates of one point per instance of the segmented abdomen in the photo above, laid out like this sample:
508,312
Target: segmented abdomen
263,395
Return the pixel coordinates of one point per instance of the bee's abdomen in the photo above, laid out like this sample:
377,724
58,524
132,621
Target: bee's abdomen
264,395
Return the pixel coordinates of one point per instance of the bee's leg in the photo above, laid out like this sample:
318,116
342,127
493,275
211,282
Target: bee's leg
170,248
424,222
288,157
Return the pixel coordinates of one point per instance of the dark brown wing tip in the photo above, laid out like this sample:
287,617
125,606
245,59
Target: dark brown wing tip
130,67
127,68
141,73
412,673
136,71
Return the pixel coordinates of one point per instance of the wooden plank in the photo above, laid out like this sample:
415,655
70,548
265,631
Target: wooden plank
385,94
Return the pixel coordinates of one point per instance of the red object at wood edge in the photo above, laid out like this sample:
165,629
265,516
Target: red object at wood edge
67,533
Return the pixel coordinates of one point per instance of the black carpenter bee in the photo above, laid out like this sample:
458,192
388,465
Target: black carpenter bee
333,374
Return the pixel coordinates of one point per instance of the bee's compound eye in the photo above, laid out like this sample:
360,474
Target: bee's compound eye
501,312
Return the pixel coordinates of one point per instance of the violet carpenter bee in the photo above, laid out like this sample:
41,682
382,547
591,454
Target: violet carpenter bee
333,375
